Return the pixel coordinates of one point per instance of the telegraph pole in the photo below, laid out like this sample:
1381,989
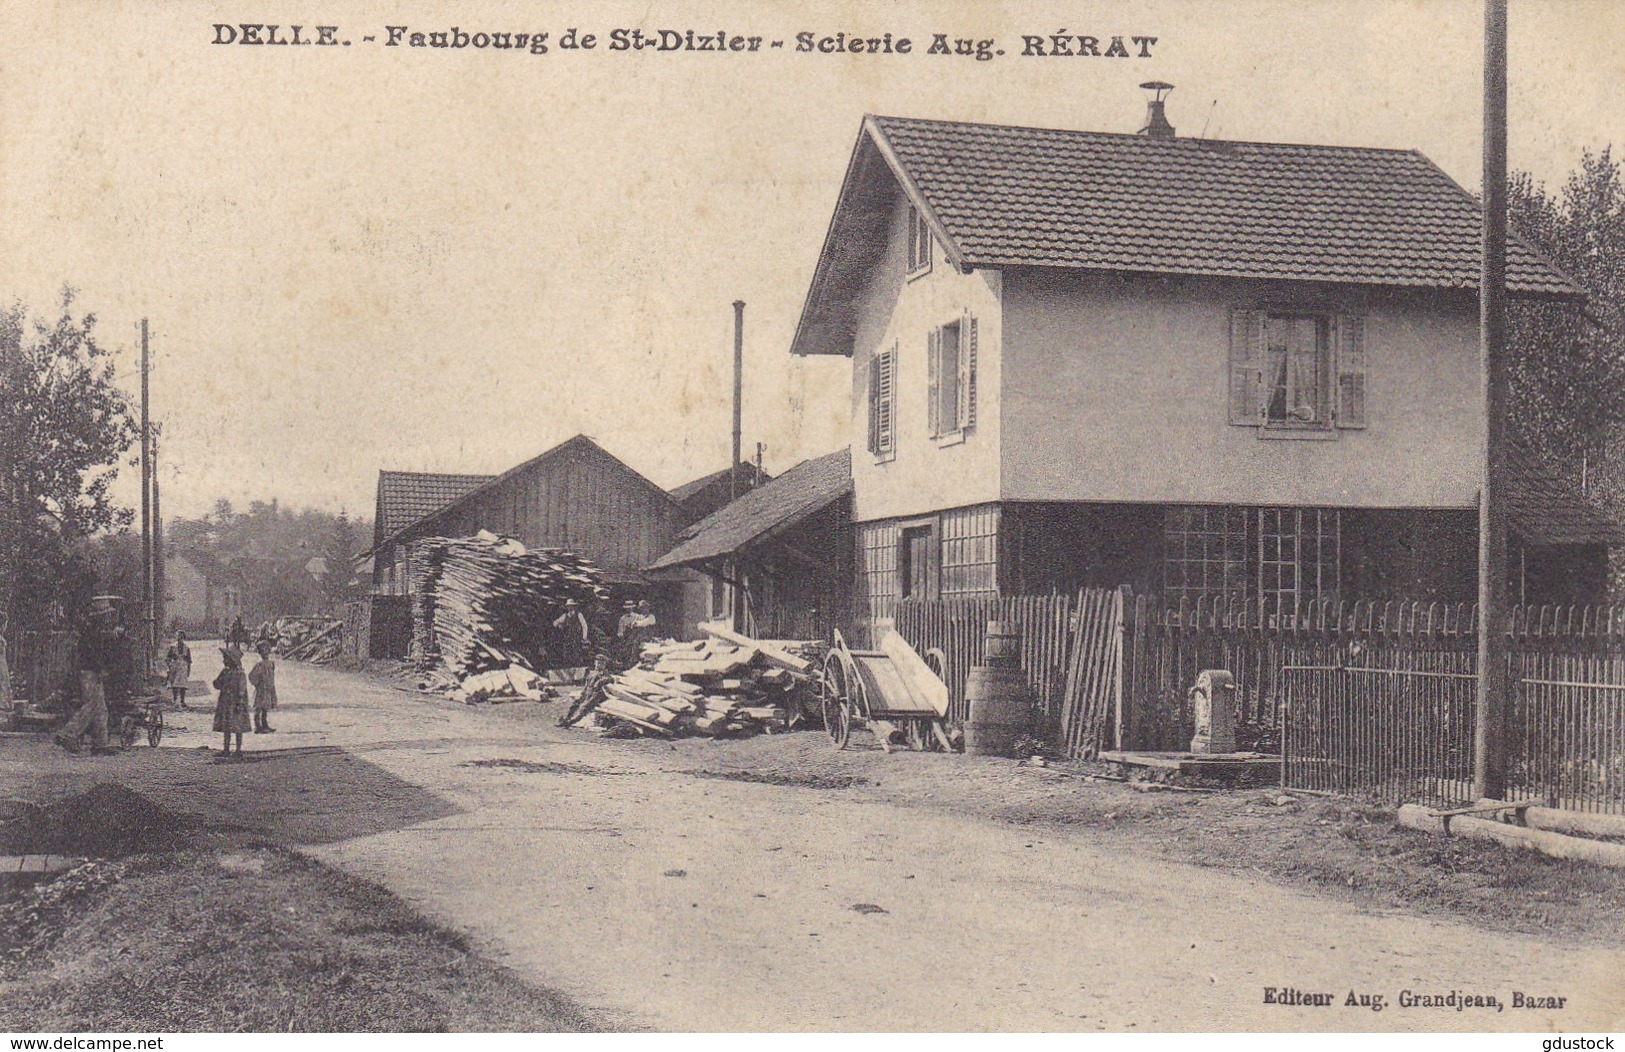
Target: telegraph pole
157,554
146,502
1489,733
739,392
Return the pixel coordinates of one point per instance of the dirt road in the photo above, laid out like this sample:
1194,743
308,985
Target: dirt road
630,878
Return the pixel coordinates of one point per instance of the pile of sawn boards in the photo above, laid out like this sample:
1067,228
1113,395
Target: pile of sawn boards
722,685
484,602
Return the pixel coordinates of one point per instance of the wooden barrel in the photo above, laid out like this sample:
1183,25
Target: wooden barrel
996,695
1003,646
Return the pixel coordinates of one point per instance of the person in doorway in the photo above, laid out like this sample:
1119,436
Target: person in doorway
629,617
644,625
99,651
263,677
238,636
573,638
231,701
178,666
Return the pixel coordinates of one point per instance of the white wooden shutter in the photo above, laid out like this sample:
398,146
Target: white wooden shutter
1246,366
874,404
933,383
967,372
886,432
1350,371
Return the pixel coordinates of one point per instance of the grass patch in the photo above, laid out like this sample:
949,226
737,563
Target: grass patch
260,940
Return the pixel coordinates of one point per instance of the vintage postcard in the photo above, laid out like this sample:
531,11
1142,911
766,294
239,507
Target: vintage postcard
742,516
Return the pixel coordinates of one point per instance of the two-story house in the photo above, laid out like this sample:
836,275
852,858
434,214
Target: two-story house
1189,366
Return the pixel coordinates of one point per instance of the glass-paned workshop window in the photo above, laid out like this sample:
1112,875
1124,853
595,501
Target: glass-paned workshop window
877,569
1205,552
1282,559
970,552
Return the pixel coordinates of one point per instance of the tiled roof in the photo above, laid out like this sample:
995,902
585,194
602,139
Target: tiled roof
804,490
1039,197
404,497
747,475
998,196
1546,509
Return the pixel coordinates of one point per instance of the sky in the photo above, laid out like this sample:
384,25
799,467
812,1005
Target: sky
366,257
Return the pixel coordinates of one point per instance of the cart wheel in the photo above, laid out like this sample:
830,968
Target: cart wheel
835,693
155,728
127,730
937,662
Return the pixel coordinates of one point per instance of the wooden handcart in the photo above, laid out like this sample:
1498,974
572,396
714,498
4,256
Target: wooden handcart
891,692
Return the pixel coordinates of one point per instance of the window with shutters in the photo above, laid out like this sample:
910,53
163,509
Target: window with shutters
951,379
1296,373
883,404
919,242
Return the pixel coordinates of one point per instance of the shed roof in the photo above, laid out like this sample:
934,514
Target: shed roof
773,507
1000,196
577,442
1543,508
404,497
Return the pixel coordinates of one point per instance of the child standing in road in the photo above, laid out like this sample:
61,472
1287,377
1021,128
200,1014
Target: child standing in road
264,679
231,704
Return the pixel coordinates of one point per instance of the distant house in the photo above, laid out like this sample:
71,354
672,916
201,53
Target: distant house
575,496
779,557
1193,367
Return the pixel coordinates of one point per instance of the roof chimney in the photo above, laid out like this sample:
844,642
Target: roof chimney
1156,121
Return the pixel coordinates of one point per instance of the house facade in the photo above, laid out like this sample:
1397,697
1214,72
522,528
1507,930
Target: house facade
1195,368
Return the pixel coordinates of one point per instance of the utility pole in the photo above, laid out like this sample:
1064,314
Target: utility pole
158,583
739,393
146,503
1489,732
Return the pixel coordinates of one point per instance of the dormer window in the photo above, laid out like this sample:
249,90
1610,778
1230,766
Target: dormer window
919,242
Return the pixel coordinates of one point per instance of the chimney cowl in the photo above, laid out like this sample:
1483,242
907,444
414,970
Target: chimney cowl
1156,119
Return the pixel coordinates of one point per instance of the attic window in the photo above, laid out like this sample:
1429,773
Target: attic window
919,242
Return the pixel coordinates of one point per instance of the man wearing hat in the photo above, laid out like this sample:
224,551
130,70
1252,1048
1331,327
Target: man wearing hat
574,638
100,649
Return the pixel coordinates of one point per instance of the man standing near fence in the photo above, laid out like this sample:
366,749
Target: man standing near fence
5,669
100,649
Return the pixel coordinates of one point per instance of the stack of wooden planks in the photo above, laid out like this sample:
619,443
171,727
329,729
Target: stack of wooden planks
314,639
720,686
484,602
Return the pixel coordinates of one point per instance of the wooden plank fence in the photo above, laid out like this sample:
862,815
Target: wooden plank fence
1113,669
42,666
1069,652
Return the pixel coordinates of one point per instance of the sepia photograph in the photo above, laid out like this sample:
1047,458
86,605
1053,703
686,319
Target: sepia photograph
739,517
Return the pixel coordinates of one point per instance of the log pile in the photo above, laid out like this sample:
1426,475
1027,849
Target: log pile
482,603
717,687
318,640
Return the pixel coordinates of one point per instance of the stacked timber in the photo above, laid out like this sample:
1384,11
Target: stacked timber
724,685
482,603
318,640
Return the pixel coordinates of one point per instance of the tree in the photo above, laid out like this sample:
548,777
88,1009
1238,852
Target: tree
340,560
1568,363
64,426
